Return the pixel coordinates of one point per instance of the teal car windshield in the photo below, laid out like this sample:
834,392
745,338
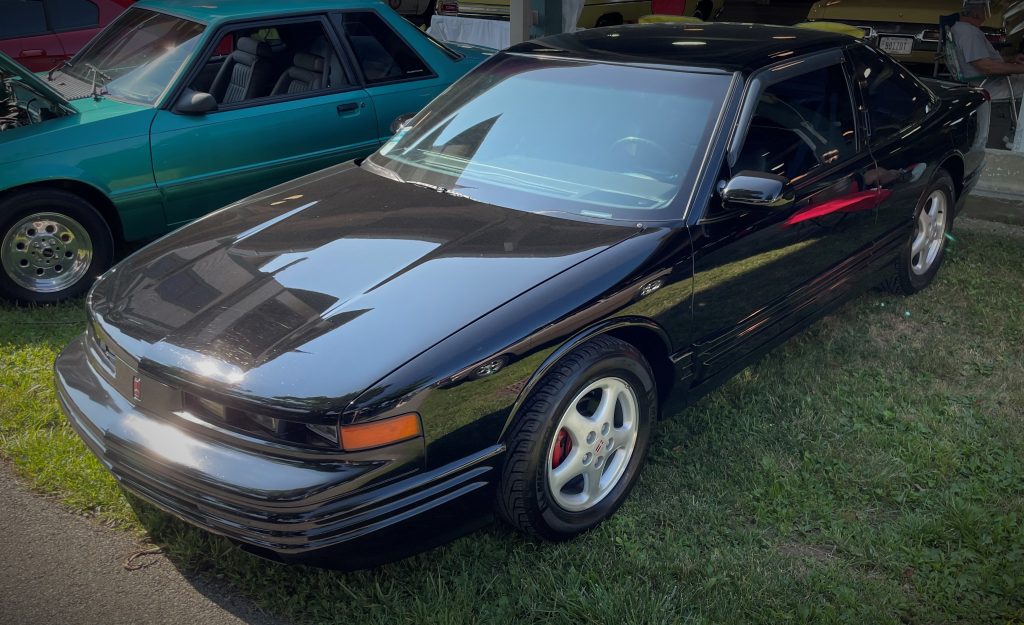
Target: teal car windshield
593,139
136,57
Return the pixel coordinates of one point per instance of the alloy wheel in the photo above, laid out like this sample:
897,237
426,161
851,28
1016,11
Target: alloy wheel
593,443
46,252
929,233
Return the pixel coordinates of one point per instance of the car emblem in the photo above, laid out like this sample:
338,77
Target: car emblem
136,388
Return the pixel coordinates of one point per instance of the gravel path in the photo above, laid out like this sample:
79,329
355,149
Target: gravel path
57,568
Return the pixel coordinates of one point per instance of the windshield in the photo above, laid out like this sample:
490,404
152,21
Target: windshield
544,135
136,57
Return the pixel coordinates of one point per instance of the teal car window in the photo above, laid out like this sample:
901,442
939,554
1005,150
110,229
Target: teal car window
271,60
382,54
604,140
136,57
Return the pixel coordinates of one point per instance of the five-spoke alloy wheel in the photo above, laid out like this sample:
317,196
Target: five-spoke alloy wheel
922,255
577,443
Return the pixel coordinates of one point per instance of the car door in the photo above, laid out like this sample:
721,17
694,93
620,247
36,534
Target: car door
761,271
287,104
398,79
896,106
26,37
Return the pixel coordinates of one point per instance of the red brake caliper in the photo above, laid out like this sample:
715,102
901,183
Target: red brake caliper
563,445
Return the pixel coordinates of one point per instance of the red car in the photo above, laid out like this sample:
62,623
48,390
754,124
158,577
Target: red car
39,34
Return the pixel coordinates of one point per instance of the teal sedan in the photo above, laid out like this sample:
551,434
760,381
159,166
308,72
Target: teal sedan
180,107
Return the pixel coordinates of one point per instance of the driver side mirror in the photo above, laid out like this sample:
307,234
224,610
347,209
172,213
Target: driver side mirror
754,190
195,103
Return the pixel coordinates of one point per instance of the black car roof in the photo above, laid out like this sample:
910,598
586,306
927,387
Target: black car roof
714,46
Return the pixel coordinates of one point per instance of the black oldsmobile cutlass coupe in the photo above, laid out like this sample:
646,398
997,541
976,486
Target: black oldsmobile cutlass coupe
494,309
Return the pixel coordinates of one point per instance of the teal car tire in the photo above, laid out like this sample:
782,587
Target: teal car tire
53,246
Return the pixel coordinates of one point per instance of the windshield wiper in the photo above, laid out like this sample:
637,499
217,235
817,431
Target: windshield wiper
95,71
49,75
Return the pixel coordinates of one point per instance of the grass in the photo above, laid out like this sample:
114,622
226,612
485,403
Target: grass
869,471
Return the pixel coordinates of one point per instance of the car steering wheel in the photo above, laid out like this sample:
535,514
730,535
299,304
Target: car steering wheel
657,173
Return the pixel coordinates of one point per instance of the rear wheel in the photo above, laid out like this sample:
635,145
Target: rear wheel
703,11
53,245
925,250
608,19
577,446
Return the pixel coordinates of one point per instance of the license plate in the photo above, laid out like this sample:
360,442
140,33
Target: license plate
896,45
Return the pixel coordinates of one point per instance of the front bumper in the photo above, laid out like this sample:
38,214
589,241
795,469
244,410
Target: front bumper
279,502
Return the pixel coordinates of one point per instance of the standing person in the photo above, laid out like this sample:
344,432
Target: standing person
1003,79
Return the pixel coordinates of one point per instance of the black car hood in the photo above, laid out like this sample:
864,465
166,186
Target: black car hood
303,296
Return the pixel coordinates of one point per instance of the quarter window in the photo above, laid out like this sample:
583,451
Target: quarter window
73,14
894,98
801,124
381,53
22,18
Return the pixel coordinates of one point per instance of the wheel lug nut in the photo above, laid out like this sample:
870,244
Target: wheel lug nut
600,461
587,457
591,437
604,429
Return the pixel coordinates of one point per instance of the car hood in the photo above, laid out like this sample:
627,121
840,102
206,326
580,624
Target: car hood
909,12
11,67
303,296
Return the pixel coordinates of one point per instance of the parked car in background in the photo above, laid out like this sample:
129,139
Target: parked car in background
40,34
178,108
596,13
909,30
495,307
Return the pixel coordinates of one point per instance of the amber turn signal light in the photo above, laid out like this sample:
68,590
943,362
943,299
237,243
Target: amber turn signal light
379,433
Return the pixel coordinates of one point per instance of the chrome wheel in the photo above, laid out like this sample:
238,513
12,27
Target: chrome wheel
46,252
593,443
930,233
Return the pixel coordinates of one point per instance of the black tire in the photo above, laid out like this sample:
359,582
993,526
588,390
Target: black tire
19,205
704,10
904,278
523,497
609,19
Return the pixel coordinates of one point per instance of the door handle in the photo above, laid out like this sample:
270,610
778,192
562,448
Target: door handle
33,52
348,107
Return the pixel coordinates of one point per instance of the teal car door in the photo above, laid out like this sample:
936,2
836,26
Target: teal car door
286,104
398,78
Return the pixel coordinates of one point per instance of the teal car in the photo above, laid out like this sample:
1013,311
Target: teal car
180,107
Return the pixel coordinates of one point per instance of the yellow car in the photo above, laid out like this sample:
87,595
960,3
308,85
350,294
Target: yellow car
596,13
909,29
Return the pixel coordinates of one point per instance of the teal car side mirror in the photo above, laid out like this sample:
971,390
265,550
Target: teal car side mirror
195,103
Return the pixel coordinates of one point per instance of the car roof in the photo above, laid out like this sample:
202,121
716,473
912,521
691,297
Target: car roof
209,11
709,46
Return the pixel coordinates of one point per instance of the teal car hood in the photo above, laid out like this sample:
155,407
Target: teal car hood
11,67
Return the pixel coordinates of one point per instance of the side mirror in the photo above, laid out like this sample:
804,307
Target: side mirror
400,121
195,103
754,189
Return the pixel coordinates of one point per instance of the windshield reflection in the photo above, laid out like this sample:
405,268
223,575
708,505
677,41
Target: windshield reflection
137,56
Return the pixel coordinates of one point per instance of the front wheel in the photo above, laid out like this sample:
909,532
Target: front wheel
577,446
53,245
924,252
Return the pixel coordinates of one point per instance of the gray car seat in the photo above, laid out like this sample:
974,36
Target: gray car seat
305,74
247,73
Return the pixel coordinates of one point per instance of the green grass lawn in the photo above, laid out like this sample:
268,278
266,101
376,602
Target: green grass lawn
870,471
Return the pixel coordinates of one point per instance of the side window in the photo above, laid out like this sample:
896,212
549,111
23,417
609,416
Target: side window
381,53
801,124
894,98
271,60
22,18
72,14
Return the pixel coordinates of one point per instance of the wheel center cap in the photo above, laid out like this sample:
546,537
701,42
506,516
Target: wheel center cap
600,446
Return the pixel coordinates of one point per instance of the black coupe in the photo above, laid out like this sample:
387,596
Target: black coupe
494,309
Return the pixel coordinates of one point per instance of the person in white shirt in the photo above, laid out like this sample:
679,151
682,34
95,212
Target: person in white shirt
1002,78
